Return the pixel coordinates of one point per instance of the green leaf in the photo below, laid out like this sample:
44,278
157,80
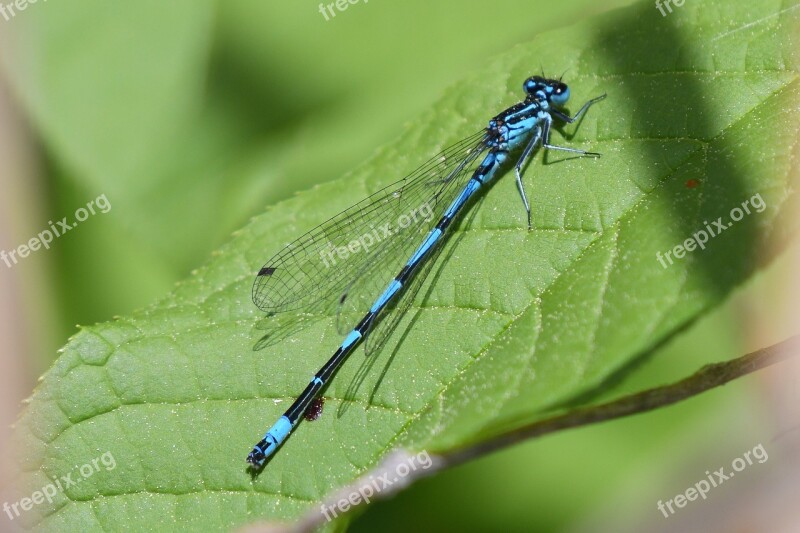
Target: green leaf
515,324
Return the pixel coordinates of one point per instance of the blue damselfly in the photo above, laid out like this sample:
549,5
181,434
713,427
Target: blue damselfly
346,262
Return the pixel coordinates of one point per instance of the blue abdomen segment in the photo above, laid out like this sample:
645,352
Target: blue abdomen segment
468,191
351,339
490,174
390,291
429,241
280,430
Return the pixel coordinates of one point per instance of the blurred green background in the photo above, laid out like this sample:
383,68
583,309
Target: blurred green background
192,116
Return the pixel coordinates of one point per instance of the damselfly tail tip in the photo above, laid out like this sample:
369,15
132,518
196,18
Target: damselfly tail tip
256,458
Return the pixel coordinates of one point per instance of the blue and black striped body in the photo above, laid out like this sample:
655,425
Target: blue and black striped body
528,123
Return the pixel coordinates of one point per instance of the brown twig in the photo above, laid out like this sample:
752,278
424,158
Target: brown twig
708,377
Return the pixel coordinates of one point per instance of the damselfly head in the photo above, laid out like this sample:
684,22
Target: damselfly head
541,88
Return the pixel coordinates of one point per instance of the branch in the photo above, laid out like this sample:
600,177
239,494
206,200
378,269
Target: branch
708,377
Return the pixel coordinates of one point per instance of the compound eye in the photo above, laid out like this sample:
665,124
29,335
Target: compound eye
560,94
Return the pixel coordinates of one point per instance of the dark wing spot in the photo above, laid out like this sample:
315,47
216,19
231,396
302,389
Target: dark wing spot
266,271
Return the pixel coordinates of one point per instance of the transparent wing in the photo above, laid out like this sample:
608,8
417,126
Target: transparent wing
391,318
276,327
386,322
314,271
412,227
